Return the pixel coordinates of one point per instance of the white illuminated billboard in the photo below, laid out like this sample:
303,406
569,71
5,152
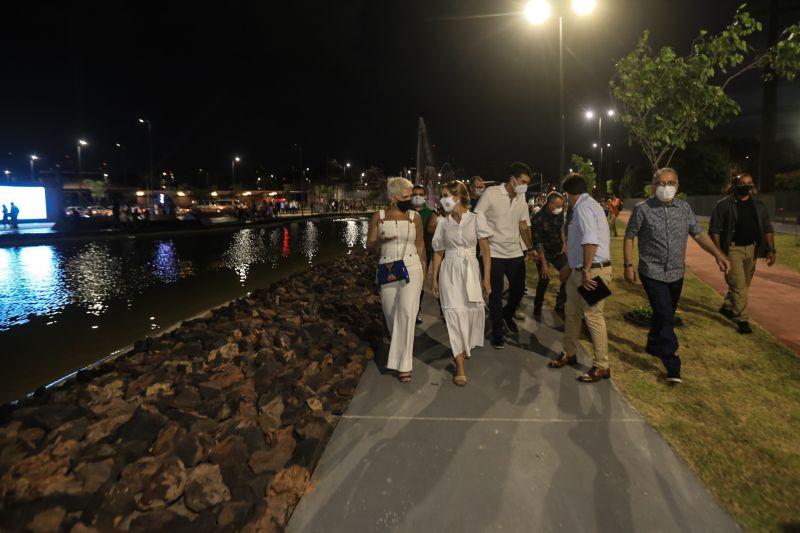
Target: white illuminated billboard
30,200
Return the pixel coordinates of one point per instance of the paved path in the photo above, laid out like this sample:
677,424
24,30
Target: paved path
772,301
520,448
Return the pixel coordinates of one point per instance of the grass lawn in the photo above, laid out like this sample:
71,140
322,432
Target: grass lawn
788,247
735,419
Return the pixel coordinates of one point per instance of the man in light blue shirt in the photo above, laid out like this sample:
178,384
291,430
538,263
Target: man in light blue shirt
588,257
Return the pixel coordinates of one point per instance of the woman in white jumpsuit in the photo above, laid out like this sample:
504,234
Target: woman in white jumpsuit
456,276
396,234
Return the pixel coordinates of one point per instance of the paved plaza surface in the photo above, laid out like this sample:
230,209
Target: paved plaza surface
521,448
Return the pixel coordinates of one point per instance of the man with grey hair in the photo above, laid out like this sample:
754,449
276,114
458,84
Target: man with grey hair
663,224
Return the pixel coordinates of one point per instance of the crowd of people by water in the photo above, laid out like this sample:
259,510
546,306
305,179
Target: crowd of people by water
10,216
477,240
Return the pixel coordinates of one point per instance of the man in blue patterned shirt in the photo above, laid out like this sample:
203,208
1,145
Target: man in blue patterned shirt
663,224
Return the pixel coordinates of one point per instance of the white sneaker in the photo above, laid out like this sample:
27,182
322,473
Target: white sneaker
519,315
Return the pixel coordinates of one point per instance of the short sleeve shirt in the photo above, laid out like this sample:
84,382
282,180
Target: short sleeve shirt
662,232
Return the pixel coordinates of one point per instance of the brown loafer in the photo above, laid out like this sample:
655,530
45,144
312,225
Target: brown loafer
563,360
595,374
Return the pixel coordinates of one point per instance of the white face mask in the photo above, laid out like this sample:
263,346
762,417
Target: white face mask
448,203
417,200
666,193
558,210
477,192
521,189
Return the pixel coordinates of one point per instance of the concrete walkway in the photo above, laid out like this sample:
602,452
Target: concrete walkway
521,448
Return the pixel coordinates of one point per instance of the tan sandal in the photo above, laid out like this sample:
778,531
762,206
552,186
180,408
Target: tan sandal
404,377
460,380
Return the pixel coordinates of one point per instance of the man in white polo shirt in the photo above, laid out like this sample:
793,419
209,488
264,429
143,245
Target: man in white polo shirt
589,257
507,213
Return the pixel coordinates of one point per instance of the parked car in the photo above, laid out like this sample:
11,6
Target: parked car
82,211
99,211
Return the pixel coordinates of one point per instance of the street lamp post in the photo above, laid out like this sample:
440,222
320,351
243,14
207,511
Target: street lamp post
235,160
151,175
538,12
33,158
124,164
590,115
81,143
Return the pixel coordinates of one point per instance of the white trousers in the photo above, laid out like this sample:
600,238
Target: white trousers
400,306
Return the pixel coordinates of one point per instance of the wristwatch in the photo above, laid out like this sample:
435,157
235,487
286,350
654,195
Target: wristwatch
626,265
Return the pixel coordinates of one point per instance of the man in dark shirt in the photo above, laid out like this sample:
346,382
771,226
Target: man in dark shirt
741,229
547,226
428,217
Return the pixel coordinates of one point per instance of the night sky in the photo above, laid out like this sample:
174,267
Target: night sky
345,80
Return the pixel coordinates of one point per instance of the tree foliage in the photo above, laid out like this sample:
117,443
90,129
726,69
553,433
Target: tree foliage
585,168
667,100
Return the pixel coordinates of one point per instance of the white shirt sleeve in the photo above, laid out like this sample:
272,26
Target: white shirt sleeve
438,236
482,228
588,225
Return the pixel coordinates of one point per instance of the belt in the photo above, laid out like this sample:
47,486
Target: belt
474,292
597,265
391,258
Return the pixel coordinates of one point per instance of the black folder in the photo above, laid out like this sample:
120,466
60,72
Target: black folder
600,292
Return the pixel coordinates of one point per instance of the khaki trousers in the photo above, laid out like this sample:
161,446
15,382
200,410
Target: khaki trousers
743,266
577,309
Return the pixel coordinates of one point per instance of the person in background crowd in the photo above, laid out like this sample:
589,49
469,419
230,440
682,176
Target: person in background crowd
5,215
429,219
397,234
614,207
14,216
663,224
547,227
507,215
476,189
741,229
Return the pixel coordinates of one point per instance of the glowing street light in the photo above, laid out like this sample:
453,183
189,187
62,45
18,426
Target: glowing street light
538,12
33,158
151,175
81,143
589,116
235,160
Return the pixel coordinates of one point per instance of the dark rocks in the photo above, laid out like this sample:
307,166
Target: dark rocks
214,426
205,488
144,425
277,455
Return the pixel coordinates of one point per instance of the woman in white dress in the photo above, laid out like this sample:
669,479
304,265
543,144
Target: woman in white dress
396,234
456,276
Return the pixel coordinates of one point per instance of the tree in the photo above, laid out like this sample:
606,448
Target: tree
585,168
667,101
704,168
97,188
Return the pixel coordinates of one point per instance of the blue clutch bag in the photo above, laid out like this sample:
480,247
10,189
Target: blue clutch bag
391,272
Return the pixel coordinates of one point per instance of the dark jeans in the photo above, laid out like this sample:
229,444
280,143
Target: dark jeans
661,340
559,261
514,270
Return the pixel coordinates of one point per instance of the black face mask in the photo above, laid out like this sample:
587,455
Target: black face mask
404,205
743,190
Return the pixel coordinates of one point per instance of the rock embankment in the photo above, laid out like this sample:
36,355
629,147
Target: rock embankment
214,426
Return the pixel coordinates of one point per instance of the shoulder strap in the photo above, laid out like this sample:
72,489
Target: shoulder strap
382,214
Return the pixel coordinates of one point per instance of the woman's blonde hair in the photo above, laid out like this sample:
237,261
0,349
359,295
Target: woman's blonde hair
396,185
458,190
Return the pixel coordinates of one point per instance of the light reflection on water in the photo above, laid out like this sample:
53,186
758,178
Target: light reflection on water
97,276
246,249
